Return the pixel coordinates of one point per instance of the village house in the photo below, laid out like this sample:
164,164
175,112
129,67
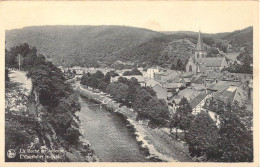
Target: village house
150,72
198,102
167,75
161,92
219,86
199,63
151,83
230,94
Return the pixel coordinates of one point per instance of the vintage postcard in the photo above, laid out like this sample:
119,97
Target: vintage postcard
131,83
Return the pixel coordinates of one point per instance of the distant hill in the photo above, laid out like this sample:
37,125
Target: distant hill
238,37
80,44
104,45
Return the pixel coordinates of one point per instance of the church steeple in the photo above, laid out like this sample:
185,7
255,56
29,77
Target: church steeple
199,46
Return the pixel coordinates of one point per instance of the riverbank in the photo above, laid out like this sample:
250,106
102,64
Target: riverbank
157,141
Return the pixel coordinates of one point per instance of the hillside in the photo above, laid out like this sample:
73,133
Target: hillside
103,45
238,37
80,45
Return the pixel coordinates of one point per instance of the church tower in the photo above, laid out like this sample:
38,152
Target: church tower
200,55
200,52
197,62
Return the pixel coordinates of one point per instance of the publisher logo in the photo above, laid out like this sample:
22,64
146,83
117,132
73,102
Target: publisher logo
11,153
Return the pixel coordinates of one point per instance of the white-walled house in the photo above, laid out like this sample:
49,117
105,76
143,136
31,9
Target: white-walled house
150,72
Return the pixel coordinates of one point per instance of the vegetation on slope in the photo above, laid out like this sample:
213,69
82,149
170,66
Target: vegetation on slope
102,45
53,105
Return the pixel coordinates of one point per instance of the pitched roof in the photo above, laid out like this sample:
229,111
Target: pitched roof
194,102
151,82
199,87
161,93
188,93
199,45
211,61
172,72
173,85
232,93
222,85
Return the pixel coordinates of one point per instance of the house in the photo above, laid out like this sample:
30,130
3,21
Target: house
161,92
151,83
167,75
219,86
198,102
189,94
232,93
151,71
199,63
237,76
175,100
176,86
79,70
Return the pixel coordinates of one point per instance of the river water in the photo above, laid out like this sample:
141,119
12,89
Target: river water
108,134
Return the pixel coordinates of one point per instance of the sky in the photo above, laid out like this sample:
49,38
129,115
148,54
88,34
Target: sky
209,17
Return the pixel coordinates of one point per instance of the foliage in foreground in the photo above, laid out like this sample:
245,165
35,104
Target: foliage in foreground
55,103
232,141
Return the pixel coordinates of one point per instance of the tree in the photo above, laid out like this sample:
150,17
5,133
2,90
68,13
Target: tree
157,112
118,90
235,141
107,78
212,52
127,73
180,65
173,66
182,117
202,136
69,71
74,71
113,74
150,91
10,59
140,100
93,82
7,79
246,67
123,80
102,86
98,75
135,71
85,80
174,92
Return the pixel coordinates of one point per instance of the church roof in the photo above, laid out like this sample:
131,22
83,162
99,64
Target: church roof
212,61
199,45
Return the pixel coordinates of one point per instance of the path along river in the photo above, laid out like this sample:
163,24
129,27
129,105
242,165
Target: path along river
109,135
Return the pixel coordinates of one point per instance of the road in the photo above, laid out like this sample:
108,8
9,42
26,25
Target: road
25,83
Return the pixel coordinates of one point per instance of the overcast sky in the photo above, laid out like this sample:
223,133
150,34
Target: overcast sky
209,17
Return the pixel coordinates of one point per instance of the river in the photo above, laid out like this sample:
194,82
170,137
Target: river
109,135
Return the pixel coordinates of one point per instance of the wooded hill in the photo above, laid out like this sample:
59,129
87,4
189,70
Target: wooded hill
92,46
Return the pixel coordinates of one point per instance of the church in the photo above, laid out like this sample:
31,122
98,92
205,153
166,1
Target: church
199,63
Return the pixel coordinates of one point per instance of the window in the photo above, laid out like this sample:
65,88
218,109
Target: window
190,69
198,55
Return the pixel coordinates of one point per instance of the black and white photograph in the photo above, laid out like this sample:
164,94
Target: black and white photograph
125,81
